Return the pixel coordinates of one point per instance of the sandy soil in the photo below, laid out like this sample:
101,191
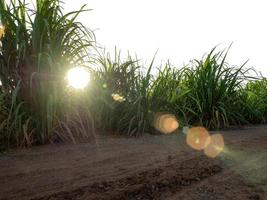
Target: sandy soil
150,167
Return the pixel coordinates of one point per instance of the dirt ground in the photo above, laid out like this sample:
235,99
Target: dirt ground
150,167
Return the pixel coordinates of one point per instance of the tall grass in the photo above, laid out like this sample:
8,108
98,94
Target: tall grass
38,48
206,92
168,93
124,78
36,106
214,99
255,108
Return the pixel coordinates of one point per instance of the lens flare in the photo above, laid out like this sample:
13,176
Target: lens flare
105,85
118,98
215,147
165,123
78,77
198,138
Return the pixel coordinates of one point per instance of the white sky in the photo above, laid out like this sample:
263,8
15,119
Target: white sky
181,29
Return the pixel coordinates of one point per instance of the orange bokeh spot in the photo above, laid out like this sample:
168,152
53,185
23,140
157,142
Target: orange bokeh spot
165,123
198,138
215,147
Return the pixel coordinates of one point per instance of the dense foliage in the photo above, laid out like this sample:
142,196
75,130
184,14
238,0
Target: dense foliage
37,48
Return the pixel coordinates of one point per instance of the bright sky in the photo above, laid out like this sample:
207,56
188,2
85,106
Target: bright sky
180,29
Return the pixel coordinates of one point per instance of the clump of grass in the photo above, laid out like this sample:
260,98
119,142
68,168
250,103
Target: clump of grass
167,93
18,126
38,47
123,79
206,92
214,98
255,108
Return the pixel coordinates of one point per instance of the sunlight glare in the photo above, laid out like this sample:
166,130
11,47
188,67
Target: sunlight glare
215,147
166,123
118,98
78,77
198,138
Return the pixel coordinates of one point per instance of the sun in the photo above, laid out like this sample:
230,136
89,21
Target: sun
78,77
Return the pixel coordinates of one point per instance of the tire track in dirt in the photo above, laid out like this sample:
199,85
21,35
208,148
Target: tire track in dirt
151,184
